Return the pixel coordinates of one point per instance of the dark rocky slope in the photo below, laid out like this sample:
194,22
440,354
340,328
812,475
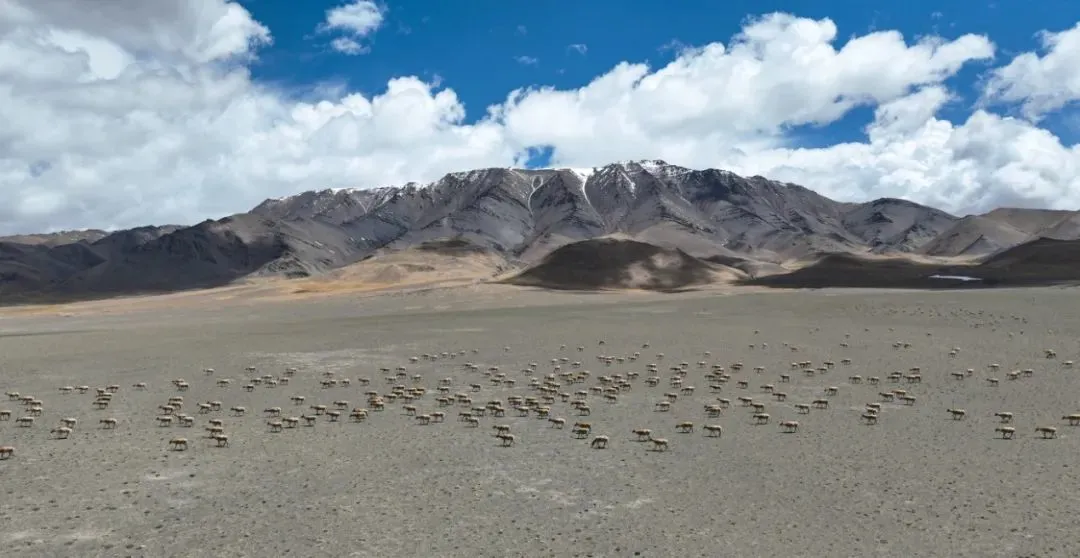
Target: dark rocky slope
522,215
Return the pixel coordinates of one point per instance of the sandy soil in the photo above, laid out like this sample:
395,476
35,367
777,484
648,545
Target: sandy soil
408,269
915,484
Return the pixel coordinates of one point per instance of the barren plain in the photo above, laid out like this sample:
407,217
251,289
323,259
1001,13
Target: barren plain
916,483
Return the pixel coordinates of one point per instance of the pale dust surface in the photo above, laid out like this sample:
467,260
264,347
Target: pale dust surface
915,484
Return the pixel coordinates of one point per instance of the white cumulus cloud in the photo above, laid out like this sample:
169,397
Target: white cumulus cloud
144,112
1041,83
346,45
359,19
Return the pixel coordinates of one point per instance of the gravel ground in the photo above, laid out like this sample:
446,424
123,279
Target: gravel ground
917,483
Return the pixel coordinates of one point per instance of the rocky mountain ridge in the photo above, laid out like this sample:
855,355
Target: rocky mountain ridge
521,215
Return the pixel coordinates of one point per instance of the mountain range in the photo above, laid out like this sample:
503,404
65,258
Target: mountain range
755,225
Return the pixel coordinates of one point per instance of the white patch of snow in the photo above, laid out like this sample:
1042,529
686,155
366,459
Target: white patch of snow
629,183
469,175
650,166
956,277
583,172
647,164
584,175
534,185
537,183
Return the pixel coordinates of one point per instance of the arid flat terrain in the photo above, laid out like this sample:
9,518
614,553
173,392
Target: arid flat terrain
916,483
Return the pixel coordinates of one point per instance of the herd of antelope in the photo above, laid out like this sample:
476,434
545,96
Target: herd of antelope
546,397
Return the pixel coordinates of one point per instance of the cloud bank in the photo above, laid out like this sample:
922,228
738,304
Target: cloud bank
144,112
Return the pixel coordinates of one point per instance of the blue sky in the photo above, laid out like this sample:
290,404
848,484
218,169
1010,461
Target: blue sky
477,47
142,112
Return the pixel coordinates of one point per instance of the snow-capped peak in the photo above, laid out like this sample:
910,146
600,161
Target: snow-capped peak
374,197
583,173
654,165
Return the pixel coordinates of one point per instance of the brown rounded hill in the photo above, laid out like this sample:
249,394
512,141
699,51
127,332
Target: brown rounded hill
608,263
1040,262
